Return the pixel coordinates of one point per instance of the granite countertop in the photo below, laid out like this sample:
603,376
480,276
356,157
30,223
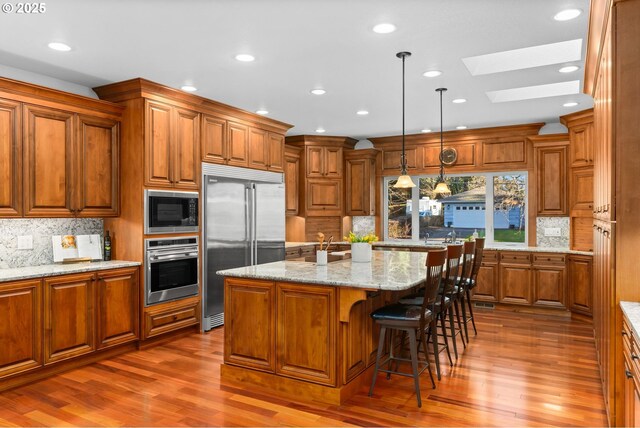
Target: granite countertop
291,244
632,311
388,270
27,272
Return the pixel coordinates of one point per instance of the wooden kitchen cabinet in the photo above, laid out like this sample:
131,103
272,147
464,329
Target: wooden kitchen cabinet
48,161
172,141
515,278
580,283
582,191
117,307
266,150
549,280
292,179
550,159
171,316
237,144
323,197
581,146
10,159
486,288
68,316
360,184
20,327
214,139
325,162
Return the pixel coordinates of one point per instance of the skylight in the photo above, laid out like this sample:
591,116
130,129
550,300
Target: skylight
519,59
532,92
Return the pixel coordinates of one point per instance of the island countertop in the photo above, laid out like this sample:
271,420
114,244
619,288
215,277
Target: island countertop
388,271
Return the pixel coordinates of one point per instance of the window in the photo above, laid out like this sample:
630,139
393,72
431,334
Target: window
491,204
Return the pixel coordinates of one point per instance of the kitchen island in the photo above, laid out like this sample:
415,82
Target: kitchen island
304,330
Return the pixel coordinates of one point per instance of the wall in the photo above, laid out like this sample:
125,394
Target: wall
41,229
561,241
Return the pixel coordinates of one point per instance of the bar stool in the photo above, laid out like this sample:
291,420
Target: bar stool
473,280
463,284
415,320
448,295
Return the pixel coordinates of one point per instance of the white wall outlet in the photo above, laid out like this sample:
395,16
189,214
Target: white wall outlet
551,231
25,242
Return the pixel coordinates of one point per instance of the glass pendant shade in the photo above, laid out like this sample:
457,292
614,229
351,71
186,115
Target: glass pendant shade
404,182
442,188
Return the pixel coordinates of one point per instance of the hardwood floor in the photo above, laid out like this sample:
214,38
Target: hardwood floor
521,370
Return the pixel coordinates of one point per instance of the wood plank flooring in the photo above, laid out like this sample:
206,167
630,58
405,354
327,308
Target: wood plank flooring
521,370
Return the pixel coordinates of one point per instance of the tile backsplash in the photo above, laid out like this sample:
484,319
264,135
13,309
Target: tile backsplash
561,223
41,229
363,224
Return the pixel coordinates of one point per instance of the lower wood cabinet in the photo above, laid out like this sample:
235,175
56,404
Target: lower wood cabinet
487,283
549,280
631,386
117,302
166,317
580,273
515,284
20,327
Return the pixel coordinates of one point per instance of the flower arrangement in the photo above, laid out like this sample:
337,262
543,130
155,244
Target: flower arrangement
353,238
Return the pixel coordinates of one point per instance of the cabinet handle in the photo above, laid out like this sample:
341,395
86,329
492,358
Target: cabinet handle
628,374
606,210
624,333
606,233
634,357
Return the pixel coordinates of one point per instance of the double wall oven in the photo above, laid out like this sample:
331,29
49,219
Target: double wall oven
171,263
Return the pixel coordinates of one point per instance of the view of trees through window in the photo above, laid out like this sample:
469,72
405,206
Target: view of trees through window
469,209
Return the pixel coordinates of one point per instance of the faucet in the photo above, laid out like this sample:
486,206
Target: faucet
453,236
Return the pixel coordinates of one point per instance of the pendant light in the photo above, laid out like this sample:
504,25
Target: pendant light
441,186
404,181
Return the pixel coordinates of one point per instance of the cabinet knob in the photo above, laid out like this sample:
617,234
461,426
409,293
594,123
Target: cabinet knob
634,357
548,259
628,374
624,333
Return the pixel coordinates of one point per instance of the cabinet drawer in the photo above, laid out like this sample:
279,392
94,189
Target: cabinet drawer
489,256
173,318
515,257
308,250
549,258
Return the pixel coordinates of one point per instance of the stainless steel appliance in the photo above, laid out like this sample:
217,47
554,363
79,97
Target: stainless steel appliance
171,269
244,224
170,212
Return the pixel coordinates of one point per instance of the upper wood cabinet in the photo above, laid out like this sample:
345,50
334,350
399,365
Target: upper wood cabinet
323,197
581,146
324,162
171,146
214,139
360,184
266,150
291,179
238,144
550,158
10,159
581,191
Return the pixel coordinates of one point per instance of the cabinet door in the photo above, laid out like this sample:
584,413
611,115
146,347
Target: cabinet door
258,150
580,284
582,191
238,144
306,352
20,327
276,152
10,159
157,145
549,284
48,162
97,182
68,316
214,139
250,339
333,162
117,308
291,174
515,284
581,145
314,161
360,187
486,288
186,168
324,197
551,167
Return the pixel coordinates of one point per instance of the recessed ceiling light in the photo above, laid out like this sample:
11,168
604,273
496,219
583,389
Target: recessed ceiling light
532,92
362,112
384,28
461,127
425,131
318,91
320,131
459,101
432,73
188,88
263,112
570,104
569,69
567,14
245,57
59,46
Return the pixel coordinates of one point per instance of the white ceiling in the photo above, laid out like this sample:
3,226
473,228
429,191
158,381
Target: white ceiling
300,45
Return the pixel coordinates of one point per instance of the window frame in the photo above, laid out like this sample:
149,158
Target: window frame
488,214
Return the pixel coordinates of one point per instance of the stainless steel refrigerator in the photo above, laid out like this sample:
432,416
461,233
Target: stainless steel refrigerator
244,224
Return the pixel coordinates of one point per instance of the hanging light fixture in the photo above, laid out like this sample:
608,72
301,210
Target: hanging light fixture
404,181
441,186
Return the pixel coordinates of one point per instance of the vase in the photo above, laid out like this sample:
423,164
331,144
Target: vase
361,252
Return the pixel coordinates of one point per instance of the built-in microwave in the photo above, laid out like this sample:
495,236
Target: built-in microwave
170,212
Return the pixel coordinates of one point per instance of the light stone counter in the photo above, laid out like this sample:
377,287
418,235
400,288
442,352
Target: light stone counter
497,247
388,270
632,311
15,274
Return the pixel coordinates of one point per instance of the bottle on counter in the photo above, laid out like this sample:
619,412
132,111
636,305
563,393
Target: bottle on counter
107,247
475,234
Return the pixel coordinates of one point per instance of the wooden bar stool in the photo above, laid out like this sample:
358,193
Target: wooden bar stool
415,320
473,280
448,295
463,283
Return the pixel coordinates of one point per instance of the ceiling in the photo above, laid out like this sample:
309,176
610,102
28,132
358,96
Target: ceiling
301,45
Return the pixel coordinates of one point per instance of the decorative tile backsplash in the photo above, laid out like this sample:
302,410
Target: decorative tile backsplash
561,223
42,229
363,224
